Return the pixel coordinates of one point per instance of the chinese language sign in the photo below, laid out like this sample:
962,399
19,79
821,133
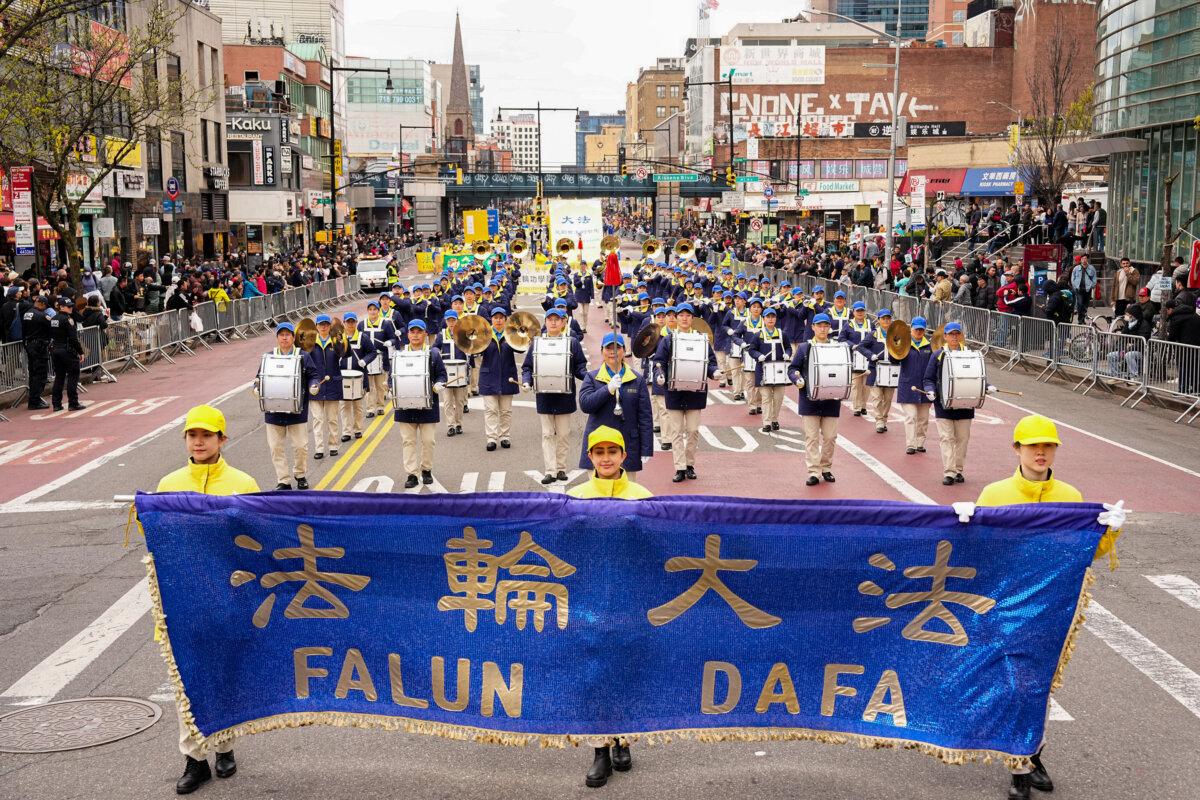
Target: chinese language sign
517,613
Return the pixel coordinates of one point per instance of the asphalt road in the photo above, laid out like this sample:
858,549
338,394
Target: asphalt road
1125,725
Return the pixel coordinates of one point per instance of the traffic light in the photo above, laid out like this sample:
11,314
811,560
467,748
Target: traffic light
458,176
730,178
624,170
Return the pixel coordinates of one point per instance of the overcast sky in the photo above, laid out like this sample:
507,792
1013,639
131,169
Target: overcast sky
559,52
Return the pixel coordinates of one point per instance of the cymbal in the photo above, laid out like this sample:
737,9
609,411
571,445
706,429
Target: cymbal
700,326
473,334
646,341
899,339
520,330
938,340
306,334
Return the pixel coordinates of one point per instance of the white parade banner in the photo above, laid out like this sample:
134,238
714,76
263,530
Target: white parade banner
577,219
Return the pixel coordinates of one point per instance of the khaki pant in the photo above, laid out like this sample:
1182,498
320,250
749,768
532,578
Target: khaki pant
685,432
555,430
820,436
377,393
725,364
189,745
954,434
580,315
738,377
497,416
453,401
353,416
858,392
325,423
295,437
916,421
880,404
412,435
772,401
753,395
473,379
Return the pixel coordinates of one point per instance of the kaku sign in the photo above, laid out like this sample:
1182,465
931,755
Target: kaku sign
802,64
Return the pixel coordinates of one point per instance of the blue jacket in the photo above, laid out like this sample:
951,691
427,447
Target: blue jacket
437,374
325,362
498,369
381,337
272,418
933,383
359,352
636,422
682,401
912,373
775,348
806,407
556,403
873,346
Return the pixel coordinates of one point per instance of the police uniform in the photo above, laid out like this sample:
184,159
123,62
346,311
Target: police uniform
286,431
556,409
417,425
65,353
820,417
35,330
683,407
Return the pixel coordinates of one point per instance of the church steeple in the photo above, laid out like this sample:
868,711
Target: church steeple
460,131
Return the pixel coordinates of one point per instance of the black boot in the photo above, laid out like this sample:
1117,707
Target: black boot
622,761
679,476
426,477
1020,787
601,769
411,482
1039,778
226,766
194,775
37,404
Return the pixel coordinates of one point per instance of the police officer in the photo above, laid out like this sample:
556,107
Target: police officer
66,353
35,330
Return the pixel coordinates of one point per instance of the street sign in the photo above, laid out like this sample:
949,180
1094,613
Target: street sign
676,177
756,224
642,173
747,179
804,192
769,192
1019,188
941,196
24,220
172,187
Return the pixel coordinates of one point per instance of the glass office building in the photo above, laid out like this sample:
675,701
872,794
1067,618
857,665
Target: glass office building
914,15
1147,99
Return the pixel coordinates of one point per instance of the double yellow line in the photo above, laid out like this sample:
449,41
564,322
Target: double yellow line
347,466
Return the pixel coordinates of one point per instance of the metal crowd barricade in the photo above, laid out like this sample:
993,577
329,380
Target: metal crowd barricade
1172,370
1039,344
975,324
1078,352
14,372
1120,360
1004,336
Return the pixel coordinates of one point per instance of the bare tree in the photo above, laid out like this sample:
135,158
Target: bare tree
79,98
1058,116
21,19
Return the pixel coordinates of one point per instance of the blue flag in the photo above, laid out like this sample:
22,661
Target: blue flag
533,617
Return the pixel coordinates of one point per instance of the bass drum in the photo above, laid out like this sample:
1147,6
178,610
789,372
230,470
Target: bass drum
411,386
828,371
964,379
279,390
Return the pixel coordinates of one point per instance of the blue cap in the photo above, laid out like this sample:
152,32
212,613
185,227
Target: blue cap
819,318
349,315
741,275
643,296
385,296
285,326
798,290
477,286
498,310
670,309
838,294
744,295
883,312
451,314
322,318
556,312
770,312
417,323
373,303
782,284
859,305
820,289
613,338
662,310
727,293
754,300
658,301
953,326
685,307
456,297
918,322
560,303
561,282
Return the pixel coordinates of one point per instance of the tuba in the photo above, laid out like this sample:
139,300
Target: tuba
652,248
610,244
482,250
519,249
684,248
564,246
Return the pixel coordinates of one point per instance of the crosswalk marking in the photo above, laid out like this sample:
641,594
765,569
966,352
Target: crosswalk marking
1058,713
469,481
496,482
1151,660
749,443
1186,590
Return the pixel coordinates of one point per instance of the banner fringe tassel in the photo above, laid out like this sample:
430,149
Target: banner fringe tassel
1068,650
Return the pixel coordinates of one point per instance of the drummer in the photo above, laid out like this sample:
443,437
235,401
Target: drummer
454,398
856,333
875,349
733,364
913,400
745,335
289,431
954,424
555,409
684,407
658,394
498,383
360,352
820,417
598,399
382,334
769,345
417,425
325,388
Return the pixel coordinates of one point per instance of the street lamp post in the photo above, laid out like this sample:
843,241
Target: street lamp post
333,162
539,108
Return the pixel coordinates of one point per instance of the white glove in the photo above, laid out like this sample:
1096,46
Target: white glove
525,387
437,387
991,389
1113,515
614,386
729,331
762,358
964,510
799,383
931,395
659,379
875,356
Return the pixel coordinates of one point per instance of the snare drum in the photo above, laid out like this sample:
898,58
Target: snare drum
689,363
552,365
828,371
411,386
279,390
352,385
964,379
775,373
736,349
858,362
376,365
456,373
887,376
748,361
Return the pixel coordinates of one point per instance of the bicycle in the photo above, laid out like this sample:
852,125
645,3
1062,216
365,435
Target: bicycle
1082,346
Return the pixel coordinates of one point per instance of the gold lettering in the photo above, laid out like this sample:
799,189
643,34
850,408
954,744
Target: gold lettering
397,680
463,684
495,688
304,672
708,688
832,689
778,688
355,676
888,686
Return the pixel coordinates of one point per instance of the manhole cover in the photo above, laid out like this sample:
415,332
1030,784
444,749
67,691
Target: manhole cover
73,724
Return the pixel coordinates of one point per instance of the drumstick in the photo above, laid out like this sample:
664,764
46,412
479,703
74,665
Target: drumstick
1007,391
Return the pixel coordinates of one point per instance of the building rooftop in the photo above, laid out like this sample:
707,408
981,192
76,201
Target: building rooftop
823,31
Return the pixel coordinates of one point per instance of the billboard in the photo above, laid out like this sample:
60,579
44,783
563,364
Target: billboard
475,226
798,64
377,133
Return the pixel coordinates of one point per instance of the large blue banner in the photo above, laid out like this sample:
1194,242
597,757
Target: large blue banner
534,617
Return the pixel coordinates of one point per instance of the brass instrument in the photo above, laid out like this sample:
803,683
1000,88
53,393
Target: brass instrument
482,250
306,334
899,340
684,248
610,244
652,248
520,330
564,246
473,334
519,249
646,341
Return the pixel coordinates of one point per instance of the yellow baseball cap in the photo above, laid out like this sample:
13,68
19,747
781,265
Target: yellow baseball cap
605,435
1036,429
206,418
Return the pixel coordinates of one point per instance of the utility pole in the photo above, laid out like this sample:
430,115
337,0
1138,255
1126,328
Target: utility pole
336,161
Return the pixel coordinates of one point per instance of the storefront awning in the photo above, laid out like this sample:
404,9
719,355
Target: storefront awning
949,181
837,201
991,182
1097,151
